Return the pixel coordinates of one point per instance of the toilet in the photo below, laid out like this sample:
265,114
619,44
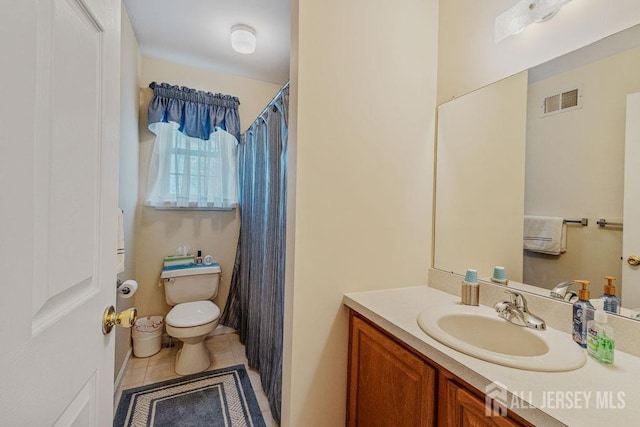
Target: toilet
193,316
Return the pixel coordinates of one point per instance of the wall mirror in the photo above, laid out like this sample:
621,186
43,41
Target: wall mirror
549,141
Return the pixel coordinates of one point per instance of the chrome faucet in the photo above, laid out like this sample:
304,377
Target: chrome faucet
561,291
516,312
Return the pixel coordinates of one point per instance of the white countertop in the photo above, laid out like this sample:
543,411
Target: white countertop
592,395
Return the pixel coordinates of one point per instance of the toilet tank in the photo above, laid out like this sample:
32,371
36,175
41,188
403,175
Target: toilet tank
196,283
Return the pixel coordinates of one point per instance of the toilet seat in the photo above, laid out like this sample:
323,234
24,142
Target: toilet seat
190,314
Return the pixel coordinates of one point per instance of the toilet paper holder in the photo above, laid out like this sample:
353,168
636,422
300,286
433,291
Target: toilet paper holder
127,288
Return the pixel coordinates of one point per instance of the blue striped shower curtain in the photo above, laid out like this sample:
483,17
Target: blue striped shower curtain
255,306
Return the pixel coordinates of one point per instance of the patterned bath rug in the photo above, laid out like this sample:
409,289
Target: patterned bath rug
220,398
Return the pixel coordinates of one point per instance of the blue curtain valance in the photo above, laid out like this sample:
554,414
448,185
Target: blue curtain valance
196,112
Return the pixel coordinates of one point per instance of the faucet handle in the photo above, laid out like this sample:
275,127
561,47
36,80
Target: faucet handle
517,298
503,306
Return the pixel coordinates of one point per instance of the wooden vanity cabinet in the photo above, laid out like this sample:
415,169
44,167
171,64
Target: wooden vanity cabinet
463,406
387,385
392,385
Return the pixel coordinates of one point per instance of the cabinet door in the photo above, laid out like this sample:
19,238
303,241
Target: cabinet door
388,384
464,409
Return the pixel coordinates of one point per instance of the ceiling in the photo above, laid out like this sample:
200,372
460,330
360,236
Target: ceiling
198,33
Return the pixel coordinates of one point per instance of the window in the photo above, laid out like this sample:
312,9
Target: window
187,172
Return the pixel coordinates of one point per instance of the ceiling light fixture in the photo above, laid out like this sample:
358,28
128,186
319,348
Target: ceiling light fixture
243,39
525,12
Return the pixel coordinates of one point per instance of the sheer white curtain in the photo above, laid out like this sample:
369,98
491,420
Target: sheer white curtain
188,172
194,161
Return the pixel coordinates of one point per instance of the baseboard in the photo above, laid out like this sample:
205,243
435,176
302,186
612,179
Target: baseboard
123,369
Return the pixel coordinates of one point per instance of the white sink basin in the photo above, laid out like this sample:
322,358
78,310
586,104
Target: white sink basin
479,332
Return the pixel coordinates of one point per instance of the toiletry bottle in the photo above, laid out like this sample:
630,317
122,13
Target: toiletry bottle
610,301
600,339
470,291
582,313
199,258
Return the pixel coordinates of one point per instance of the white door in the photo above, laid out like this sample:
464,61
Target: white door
59,101
631,229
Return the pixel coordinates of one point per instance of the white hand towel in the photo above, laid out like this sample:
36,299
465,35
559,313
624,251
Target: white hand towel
120,249
545,234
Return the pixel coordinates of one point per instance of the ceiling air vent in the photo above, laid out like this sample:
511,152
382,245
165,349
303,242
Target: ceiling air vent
561,102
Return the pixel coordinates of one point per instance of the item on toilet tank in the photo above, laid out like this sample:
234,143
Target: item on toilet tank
128,288
583,312
208,260
610,301
199,258
182,250
178,261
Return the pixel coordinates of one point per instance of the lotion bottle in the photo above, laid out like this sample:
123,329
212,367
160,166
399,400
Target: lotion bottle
582,313
610,301
600,339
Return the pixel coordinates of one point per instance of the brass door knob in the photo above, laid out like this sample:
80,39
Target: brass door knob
125,318
633,260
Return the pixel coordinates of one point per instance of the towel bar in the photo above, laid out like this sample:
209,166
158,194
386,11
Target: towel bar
582,221
604,223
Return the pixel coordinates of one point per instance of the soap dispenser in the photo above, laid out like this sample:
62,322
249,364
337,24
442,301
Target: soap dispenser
600,339
610,301
582,313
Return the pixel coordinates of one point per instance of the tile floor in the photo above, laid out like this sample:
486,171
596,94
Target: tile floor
226,350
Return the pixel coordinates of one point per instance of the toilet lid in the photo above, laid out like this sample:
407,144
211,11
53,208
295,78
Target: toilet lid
193,314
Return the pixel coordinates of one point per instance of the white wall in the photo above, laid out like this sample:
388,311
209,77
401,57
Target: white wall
128,169
160,232
364,86
575,169
468,57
